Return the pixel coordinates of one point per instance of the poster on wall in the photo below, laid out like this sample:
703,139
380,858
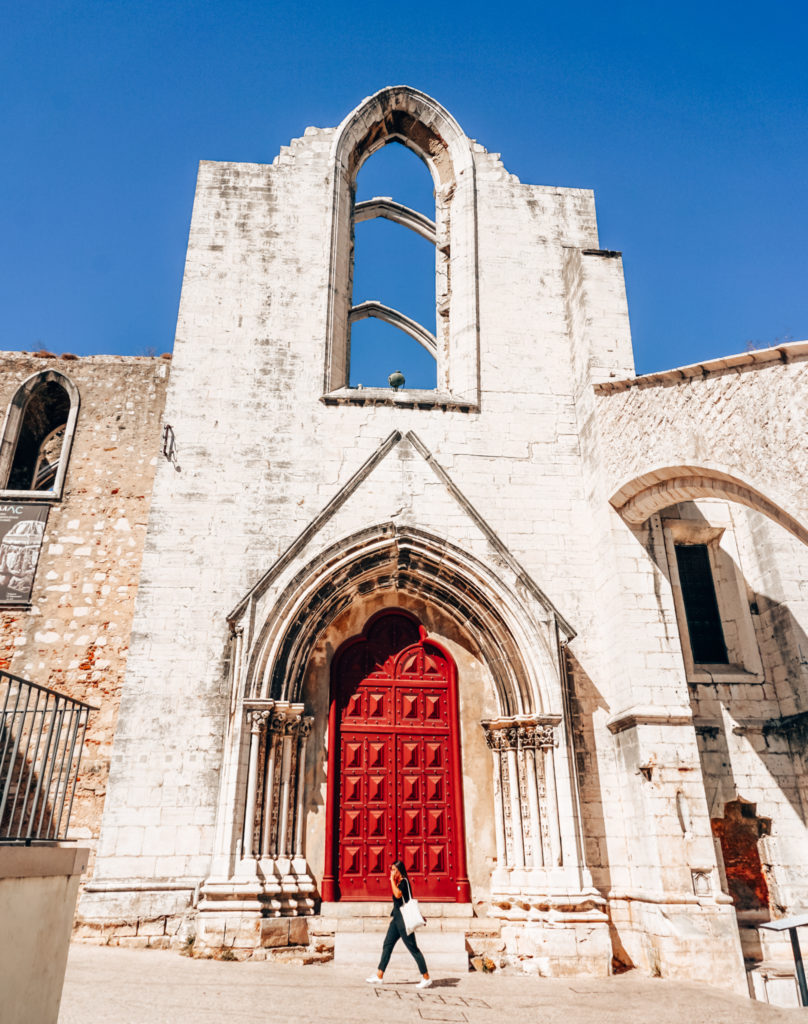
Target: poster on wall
22,527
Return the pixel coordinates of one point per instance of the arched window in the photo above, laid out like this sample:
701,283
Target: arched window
38,434
404,115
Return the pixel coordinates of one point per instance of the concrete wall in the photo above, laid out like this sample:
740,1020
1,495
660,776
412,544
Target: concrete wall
38,889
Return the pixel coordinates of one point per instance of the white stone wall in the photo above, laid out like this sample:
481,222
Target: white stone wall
259,455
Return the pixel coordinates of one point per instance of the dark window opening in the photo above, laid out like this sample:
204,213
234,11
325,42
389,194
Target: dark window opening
701,607
39,444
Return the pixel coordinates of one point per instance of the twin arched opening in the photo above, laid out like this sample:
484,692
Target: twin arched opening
403,115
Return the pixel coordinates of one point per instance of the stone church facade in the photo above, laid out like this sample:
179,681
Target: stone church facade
538,630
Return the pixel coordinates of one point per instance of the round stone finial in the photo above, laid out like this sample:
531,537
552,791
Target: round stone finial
396,380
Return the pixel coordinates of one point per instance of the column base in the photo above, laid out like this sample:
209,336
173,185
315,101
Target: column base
239,911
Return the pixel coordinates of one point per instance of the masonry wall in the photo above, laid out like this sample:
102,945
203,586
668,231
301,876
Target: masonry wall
75,635
744,415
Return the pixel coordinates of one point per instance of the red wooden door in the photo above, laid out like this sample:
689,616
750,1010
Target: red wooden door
397,792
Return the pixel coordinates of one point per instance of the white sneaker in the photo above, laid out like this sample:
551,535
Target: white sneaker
424,983
374,979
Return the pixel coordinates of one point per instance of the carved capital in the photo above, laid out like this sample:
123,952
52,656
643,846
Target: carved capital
257,720
494,738
537,736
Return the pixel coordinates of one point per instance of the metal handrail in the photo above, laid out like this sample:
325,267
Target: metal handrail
42,736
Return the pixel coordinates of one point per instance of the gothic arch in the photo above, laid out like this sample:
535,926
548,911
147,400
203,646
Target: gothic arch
649,493
405,561
402,114
15,419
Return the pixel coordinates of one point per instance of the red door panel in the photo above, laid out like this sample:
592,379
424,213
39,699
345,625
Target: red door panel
395,720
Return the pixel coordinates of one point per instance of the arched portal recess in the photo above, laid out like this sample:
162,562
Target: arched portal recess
507,626
394,768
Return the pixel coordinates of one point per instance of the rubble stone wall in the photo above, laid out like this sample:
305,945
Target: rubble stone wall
75,635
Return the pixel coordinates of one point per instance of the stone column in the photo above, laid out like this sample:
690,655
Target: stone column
289,729
493,739
527,742
274,724
517,837
303,735
257,720
547,741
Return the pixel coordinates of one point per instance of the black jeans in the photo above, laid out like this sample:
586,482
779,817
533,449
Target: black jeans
395,932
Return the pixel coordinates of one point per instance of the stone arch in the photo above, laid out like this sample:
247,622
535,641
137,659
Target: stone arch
390,316
403,114
15,420
648,493
409,562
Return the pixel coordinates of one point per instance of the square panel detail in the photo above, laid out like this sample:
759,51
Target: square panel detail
436,858
435,823
434,789
412,858
433,755
377,789
377,861
411,821
376,752
353,755
354,706
352,823
409,754
411,788
377,821
352,860
352,789
409,706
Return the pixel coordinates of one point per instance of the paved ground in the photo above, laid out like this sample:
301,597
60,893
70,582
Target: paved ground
126,986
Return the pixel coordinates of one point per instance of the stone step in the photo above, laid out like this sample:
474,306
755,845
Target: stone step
352,909
443,951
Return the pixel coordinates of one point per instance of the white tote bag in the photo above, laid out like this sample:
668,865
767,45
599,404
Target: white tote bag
411,914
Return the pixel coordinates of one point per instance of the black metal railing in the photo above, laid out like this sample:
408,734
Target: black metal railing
41,738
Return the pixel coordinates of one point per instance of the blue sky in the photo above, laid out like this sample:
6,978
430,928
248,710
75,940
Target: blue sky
688,120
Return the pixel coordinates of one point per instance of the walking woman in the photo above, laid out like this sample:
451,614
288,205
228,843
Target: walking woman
402,892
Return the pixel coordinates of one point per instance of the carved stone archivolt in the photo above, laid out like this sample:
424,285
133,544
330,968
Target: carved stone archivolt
526,807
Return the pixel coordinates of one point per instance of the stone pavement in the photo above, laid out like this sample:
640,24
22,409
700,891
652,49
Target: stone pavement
107,985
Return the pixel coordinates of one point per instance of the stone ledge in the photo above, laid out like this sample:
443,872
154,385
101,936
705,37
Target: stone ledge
711,367
411,399
648,715
42,861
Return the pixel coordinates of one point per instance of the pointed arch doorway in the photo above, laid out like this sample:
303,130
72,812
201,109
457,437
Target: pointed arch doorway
394,770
